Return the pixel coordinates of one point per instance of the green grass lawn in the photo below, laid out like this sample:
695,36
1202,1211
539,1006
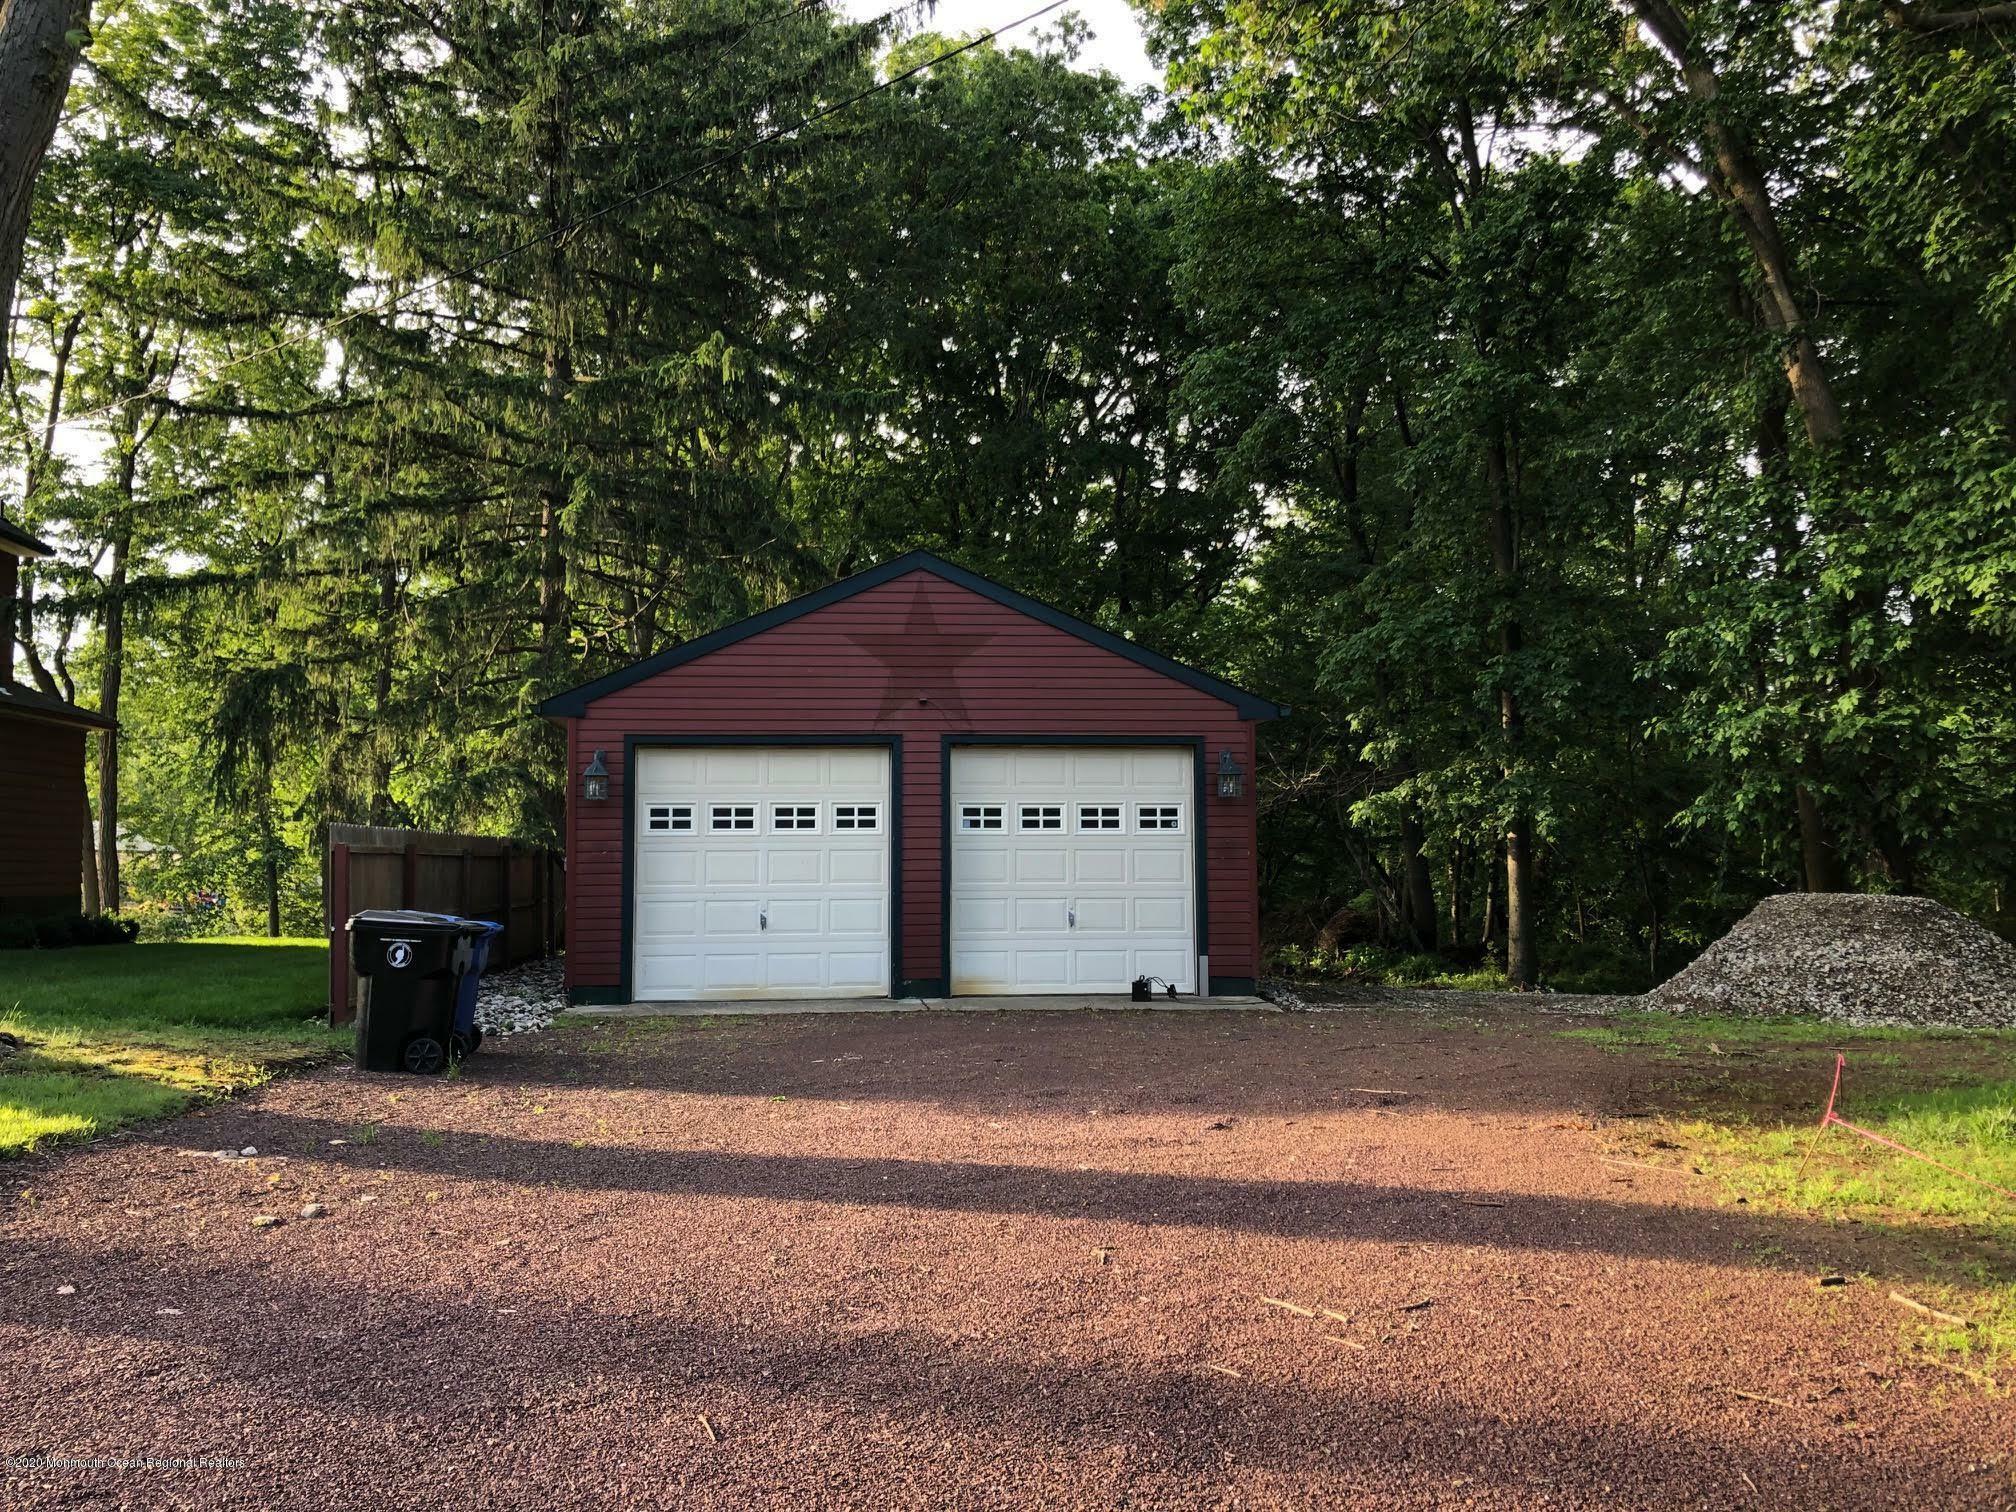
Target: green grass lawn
117,1033
1675,1036
1746,1097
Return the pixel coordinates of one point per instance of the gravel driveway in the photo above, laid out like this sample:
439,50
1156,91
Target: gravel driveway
956,1261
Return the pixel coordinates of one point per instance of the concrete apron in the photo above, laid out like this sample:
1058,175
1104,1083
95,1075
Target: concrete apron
1062,1003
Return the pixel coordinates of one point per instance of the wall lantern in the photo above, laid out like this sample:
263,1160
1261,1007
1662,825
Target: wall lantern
595,780
1231,776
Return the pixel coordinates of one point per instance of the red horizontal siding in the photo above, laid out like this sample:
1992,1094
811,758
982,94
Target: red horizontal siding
41,810
986,670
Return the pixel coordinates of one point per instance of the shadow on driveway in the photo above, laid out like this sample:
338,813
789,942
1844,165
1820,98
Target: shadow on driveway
1292,1210
1138,1062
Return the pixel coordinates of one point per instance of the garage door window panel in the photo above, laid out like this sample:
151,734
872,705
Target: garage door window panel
668,818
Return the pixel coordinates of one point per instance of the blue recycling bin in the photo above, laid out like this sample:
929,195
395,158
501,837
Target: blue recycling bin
479,932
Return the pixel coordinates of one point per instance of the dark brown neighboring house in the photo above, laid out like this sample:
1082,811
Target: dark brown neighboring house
42,806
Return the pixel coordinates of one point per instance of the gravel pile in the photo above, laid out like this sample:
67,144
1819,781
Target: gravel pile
1855,960
523,999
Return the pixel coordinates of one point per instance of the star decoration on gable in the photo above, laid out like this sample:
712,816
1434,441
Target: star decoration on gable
921,661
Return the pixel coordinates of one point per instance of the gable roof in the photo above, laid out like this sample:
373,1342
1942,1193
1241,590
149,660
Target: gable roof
17,542
15,698
575,700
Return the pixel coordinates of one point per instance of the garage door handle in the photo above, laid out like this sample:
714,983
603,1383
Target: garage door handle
1071,917
763,919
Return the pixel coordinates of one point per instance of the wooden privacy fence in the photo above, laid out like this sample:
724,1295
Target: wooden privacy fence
522,887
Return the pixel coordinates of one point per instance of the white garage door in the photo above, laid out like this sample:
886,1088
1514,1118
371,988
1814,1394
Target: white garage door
760,872
1072,869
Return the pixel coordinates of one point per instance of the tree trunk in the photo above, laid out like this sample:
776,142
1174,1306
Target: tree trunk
1655,929
269,842
19,597
90,860
24,640
1787,536
1897,857
1467,187
1385,896
1417,888
557,204
1819,857
110,677
1741,183
552,546
1521,954
381,696
1488,935
39,43
110,883
136,433
1503,527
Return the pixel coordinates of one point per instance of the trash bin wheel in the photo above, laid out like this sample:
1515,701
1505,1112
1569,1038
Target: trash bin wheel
425,1055
462,1046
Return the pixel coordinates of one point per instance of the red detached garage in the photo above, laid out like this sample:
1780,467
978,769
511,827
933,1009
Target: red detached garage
914,782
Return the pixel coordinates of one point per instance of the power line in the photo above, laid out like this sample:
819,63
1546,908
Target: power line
763,139
790,14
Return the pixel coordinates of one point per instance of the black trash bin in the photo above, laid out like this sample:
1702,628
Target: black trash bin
412,965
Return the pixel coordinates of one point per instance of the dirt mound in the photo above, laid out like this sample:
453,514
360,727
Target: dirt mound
1855,959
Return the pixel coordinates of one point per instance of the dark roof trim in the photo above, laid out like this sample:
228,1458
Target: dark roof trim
31,704
17,542
575,701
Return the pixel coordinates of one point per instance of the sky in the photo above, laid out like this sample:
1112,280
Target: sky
1115,43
